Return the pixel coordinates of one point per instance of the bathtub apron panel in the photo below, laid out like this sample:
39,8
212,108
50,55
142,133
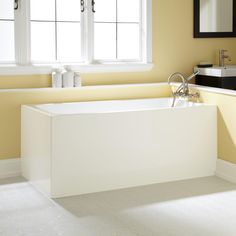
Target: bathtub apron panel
93,152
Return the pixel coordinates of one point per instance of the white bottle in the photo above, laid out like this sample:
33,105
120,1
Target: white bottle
57,78
77,80
68,78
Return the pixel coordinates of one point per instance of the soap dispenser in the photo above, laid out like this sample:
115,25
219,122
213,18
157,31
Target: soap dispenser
57,78
77,80
68,78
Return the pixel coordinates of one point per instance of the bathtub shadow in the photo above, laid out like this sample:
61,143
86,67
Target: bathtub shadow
119,200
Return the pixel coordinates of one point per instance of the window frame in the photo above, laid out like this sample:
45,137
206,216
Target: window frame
24,65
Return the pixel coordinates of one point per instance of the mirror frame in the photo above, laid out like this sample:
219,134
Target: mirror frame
198,34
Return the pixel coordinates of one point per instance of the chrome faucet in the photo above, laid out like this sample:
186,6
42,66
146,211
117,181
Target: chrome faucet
222,57
183,89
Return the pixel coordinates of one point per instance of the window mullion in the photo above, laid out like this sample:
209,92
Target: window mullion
146,31
142,33
83,33
88,37
117,30
22,33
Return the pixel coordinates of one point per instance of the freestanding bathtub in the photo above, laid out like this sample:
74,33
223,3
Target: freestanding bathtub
78,148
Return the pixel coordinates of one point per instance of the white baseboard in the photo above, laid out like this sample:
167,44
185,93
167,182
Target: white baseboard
226,170
10,168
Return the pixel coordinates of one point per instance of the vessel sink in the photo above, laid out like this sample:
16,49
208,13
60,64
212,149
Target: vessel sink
217,71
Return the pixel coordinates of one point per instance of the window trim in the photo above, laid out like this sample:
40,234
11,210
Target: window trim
147,35
22,33
23,64
43,69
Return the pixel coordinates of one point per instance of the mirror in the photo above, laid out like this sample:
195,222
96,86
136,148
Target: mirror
214,18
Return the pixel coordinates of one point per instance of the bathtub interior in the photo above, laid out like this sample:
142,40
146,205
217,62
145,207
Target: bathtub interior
113,106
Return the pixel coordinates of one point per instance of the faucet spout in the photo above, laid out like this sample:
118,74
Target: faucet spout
222,57
183,89
176,75
184,84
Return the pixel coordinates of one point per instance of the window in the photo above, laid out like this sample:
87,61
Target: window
59,21
77,32
7,48
118,30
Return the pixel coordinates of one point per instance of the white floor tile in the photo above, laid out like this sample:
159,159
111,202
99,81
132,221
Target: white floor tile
198,207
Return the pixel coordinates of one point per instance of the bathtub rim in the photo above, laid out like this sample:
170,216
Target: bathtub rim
170,99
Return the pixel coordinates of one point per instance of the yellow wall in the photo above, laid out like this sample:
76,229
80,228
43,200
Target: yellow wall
226,124
174,49
10,103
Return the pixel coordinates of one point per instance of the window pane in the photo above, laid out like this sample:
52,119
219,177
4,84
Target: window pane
128,10
105,11
7,48
7,9
68,42
42,10
68,10
43,41
105,41
128,41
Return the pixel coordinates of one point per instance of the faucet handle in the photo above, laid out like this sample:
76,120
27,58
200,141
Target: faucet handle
223,51
194,95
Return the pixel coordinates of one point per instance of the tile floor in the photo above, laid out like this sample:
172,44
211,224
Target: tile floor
198,207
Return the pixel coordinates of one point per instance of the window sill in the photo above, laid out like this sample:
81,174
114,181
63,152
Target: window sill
90,87
13,69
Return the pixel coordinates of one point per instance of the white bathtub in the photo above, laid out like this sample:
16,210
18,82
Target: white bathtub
78,148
